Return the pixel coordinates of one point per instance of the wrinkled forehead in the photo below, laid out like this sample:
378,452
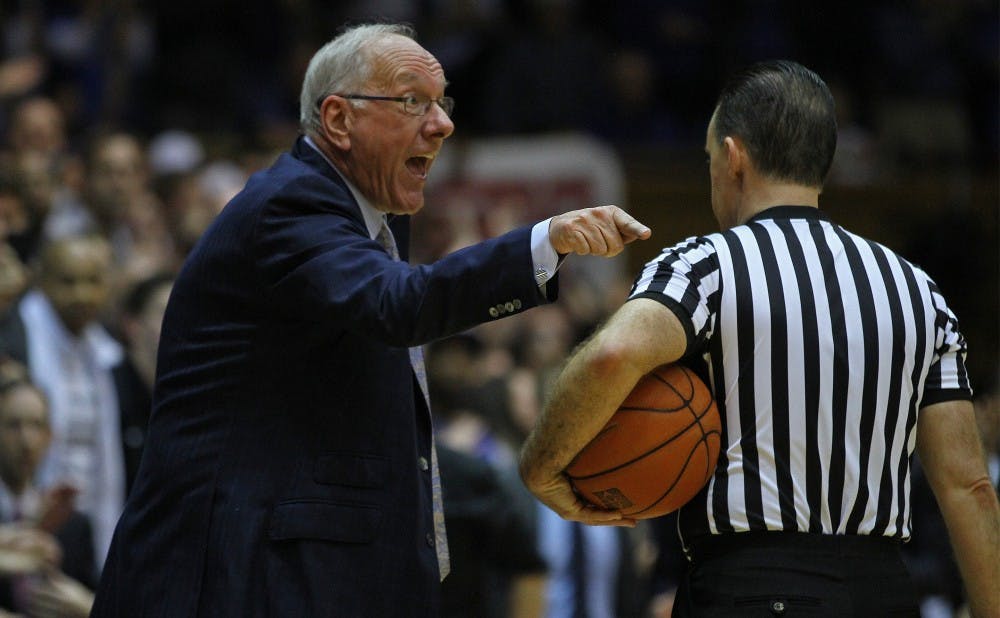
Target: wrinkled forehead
402,61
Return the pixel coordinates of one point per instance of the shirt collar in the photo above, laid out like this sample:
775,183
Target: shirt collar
790,212
372,216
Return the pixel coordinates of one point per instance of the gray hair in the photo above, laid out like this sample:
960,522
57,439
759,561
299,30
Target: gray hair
342,65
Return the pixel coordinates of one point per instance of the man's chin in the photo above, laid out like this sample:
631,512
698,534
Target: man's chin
408,208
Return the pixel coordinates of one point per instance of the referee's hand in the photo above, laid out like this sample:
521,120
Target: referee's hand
559,496
603,231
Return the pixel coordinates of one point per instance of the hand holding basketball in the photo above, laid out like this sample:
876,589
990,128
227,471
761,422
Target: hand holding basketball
657,451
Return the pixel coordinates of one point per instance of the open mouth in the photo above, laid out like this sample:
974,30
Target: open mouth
419,166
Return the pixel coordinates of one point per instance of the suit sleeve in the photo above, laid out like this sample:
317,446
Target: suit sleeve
319,265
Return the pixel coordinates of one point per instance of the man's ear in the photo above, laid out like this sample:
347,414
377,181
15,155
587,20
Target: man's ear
335,121
736,157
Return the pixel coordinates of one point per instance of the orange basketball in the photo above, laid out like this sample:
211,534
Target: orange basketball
657,451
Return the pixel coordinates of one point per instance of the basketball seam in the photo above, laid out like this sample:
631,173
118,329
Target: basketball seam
702,441
687,404
634,459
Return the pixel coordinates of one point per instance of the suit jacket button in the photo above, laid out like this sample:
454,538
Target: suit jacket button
517,303
493,312
430,539
422,462
509,306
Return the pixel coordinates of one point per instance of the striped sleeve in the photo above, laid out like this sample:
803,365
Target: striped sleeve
685,278
947,378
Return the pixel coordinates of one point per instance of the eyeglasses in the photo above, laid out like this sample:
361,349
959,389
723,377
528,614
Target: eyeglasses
412,104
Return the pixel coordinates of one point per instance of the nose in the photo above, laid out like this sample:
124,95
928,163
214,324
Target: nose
437,123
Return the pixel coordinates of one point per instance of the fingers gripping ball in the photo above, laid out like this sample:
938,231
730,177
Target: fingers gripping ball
657,451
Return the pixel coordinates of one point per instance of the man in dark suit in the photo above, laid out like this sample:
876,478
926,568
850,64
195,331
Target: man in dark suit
289,462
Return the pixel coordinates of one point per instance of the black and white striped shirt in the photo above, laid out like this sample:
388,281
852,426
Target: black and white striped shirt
821,347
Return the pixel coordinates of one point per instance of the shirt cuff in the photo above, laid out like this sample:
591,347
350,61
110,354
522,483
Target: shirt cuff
545,261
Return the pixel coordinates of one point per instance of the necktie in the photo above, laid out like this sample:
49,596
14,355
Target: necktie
386,239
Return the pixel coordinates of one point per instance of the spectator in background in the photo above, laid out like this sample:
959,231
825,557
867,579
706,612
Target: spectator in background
193,197
38,125
13,209
187,90
40,186
13,281
123,208
856,163
663,67
547,75
140,318
69,354
467,402
668,564
988,416
583,566
928,555
585,563
490,516
545,339
464,36
492,541
93,54
38,150
46,544
19,75
923,125
635,112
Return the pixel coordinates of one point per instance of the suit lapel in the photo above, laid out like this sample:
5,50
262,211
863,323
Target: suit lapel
399,224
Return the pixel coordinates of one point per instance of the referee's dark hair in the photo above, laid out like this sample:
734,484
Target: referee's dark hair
784,113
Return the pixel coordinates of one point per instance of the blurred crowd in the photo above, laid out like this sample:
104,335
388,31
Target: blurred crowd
914,79
126,126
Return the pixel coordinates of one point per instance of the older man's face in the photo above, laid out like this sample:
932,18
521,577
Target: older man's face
391,151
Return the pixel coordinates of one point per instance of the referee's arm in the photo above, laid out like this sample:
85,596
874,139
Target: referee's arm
952,456
641,335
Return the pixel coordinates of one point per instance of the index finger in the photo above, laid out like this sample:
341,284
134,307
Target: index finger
629,227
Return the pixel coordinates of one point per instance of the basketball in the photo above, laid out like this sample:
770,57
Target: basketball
657,451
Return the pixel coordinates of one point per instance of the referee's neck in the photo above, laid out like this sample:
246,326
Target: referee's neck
759,196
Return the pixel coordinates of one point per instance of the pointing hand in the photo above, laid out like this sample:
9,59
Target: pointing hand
603,231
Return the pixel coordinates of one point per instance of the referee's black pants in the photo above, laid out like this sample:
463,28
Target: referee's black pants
795,574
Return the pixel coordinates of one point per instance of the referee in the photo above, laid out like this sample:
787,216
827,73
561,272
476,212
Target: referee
831,358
